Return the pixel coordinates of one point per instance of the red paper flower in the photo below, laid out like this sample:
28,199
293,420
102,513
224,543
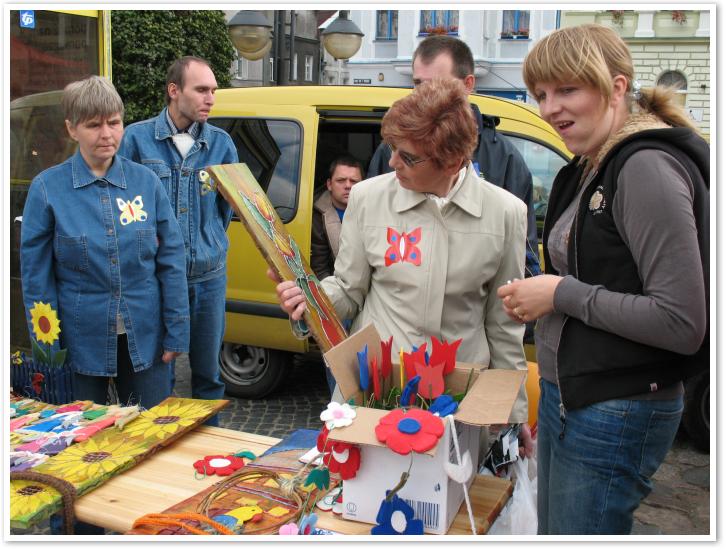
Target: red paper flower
340,457
444,352
376,379
410,359
431,384
386,357
414,430
221,465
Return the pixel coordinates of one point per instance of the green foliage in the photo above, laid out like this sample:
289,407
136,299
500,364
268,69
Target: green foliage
146,42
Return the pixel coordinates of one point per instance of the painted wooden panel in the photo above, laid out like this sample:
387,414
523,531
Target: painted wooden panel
89,463
238,186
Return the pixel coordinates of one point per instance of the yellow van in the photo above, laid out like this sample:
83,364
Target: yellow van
288,136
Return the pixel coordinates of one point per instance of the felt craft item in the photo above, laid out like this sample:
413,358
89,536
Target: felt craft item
431,384
417,355
221,465
403,247
319,476
363,368
307,524
377,383
444,405
289,529
414,430
386,364
340,457
408,396
444,352
337,415
238,186
396,518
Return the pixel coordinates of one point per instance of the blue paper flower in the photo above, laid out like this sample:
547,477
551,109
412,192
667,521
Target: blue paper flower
363,368
444,405
410,390
395,517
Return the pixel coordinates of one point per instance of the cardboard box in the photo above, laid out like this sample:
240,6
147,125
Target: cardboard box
434,497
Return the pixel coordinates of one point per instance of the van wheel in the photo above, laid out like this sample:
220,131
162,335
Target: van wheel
251,371
696,411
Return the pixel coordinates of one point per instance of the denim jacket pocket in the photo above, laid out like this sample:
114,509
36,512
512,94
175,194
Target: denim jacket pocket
72,252
162,170
148,244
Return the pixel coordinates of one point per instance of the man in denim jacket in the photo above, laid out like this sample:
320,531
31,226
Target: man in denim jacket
177,145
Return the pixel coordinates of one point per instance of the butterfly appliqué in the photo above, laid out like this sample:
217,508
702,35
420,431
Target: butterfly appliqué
131,211
403,247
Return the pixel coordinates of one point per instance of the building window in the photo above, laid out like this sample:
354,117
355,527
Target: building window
439,22
387,26
309,68
294,66
243,68
676,81
515,24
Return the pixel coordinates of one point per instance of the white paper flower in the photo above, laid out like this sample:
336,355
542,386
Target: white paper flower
337,415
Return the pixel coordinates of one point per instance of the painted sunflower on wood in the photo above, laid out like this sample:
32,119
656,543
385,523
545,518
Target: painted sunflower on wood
166,419
46,324
27,497
94,457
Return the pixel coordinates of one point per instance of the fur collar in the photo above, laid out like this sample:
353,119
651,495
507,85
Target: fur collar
634,123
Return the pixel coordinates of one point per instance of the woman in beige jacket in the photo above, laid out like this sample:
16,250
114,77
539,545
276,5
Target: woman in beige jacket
424,249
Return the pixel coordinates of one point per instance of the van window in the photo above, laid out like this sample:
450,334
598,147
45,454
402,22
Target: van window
544,164
272,151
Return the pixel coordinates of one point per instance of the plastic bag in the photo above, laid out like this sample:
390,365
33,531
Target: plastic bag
519,515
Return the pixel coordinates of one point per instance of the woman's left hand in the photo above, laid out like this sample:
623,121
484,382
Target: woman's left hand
529,299
168,356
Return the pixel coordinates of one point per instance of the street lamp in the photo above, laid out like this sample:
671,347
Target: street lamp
250,34
342,38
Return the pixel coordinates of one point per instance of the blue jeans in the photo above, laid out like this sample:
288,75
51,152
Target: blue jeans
592,480
146,388
206,312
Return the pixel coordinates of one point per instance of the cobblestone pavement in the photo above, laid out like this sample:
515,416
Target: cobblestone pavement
678,505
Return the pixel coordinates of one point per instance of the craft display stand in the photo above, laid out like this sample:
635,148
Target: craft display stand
167,478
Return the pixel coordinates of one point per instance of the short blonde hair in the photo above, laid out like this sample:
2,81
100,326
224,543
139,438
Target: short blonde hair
438,117
593,55
90,98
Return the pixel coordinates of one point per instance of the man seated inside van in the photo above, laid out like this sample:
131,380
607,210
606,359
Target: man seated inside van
345,171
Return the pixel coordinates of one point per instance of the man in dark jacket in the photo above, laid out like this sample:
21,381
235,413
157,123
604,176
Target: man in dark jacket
496,158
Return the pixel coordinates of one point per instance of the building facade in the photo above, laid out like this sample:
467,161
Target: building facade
669,47
499,40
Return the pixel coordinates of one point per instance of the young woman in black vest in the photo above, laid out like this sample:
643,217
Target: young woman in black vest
623,307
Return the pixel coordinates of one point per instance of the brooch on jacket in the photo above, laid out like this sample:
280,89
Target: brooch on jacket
403,247
597,201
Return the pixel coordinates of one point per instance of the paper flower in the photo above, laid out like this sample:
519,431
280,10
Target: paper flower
377,383
307,524
413,430
221,465
418,355
337,415
340,457
46,325
443,405
395,517
290,529
320,477
363,368
409,392
386,364
432,379
444,352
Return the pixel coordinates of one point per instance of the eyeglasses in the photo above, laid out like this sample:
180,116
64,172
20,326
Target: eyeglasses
409,160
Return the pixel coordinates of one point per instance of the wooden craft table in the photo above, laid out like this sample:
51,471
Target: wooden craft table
167,477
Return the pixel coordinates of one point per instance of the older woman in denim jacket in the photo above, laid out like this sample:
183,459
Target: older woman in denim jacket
100,243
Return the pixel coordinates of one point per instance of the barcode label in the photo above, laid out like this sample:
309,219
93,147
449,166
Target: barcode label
426,511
